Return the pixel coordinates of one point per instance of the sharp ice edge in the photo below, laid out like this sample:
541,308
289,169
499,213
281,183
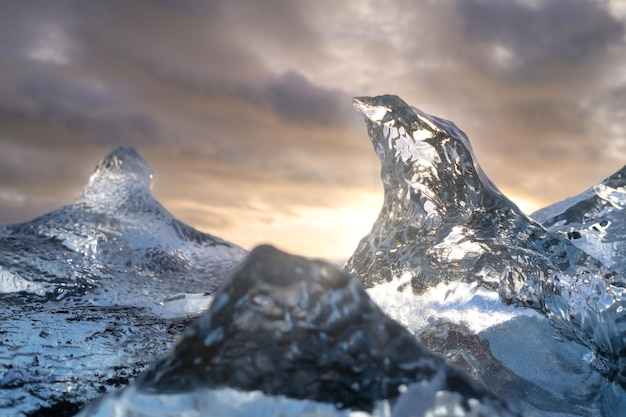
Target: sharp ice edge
286,336
594,220
14,283
92,292
556,209
181,305
443,221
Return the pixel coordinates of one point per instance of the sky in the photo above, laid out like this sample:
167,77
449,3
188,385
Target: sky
243,107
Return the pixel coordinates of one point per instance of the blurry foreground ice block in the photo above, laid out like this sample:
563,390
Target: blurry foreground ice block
523,309
291,337
91,292
594,221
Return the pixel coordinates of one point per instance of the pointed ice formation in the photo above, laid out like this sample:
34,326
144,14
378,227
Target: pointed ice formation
441,210
122,176
594,221
289,337
445,230
115,228
91,292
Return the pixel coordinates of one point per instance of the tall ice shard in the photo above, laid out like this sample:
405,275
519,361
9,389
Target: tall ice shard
91,292
446,231
289,337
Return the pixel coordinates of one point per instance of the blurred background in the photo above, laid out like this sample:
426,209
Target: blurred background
243,108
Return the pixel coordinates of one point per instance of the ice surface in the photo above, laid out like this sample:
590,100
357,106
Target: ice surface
287,336
448,253
90,293
594,221
55,357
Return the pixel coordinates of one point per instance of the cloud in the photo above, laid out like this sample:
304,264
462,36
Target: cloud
78,91
244,105
525,38
295,99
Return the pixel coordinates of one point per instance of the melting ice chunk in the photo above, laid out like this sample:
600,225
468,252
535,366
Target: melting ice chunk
337,354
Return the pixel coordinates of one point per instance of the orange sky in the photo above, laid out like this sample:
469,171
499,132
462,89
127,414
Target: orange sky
244,108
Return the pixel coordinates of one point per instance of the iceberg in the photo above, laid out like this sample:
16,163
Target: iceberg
92,292
450,257
594,221
287,336
116,233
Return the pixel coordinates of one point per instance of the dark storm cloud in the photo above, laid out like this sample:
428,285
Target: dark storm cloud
510,44
155,49
295,99
544,60
245,104
216,48
125,72
78,108
83,94
528,37
54,123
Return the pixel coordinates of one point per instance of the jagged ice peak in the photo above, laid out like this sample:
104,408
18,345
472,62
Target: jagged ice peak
442,217
107,281
444,223
417,150
114,227
124,170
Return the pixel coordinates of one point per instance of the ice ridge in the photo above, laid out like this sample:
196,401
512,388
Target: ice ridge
594,221
292,328
443,221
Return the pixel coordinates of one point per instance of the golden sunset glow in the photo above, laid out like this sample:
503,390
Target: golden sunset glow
244,109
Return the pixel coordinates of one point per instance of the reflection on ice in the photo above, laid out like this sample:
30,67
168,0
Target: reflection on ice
464,304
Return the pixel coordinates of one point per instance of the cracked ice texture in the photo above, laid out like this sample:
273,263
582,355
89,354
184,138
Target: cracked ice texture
444,222
92,292
287,336
594,221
